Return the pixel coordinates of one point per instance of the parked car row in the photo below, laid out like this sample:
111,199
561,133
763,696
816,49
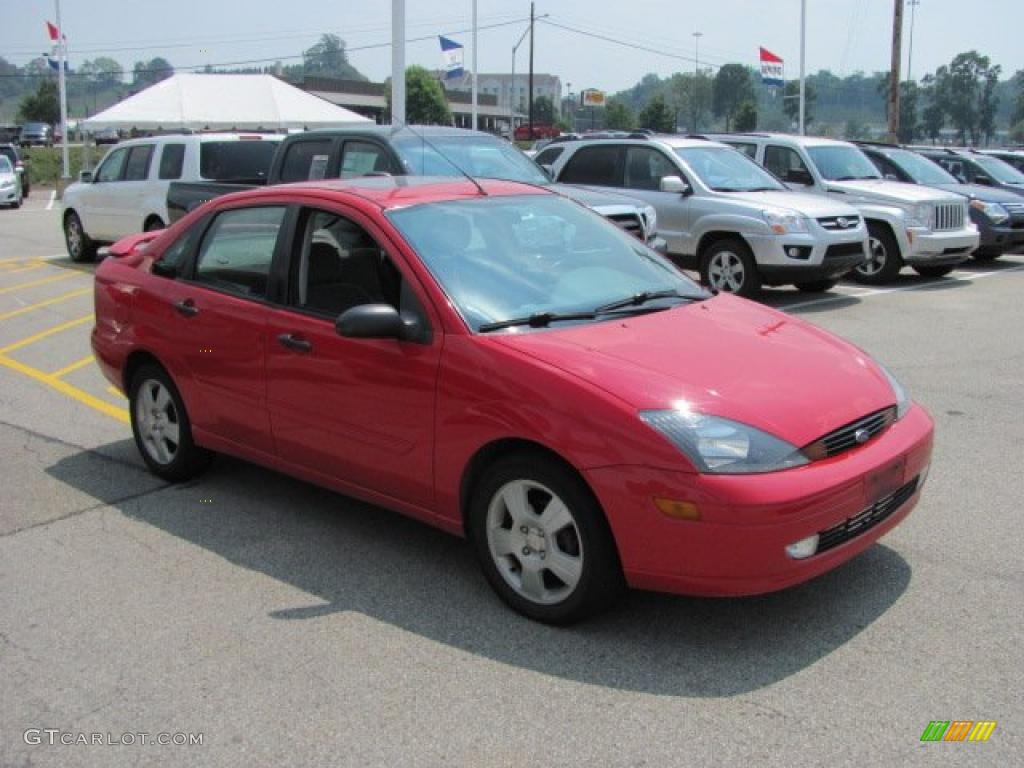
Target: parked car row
10,151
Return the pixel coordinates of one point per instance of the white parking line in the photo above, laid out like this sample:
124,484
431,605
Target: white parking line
899,289
53,199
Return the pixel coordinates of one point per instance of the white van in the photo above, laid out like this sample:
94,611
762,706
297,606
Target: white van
128,191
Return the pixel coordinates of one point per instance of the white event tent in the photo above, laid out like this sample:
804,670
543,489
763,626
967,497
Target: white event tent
199,102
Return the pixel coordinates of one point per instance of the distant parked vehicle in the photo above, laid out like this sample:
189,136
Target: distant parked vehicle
36,135
106,136
522,132
998,214
128,191
972,167
1014,157
11,153
927,229
10,184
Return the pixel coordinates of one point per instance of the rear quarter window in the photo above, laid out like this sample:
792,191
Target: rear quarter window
236,161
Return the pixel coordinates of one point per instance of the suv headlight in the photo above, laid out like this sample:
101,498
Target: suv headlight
651,217
920,215
783,223
902,397
994,211
722,446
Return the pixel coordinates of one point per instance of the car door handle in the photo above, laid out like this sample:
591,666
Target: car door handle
292,342
186,307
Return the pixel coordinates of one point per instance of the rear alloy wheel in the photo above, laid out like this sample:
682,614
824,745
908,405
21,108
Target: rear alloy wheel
80,247
817,286
926,271
542,540
728,266
161,427
884,261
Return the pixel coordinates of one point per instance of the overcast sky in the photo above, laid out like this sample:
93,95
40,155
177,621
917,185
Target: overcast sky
842,35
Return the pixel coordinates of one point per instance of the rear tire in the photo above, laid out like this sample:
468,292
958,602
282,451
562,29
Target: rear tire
926,271
817,286
542,540
162,430
884,261
728,265
153,224
80,247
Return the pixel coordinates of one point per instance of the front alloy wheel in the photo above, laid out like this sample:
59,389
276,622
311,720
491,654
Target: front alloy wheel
729,267
80,247
884,261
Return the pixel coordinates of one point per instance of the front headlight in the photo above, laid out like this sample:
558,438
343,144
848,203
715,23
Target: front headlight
783,223
722,446
902,397
920,215
651,216
994,211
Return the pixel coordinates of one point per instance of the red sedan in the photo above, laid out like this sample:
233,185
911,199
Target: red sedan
497,361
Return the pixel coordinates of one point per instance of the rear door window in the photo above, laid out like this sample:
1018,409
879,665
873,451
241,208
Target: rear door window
306,160
171,161
600,166
361,157
549,155
748,149
240,162
137,167
238,248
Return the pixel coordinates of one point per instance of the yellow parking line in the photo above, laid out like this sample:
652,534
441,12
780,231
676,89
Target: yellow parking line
116,393
29,268
34,283
43,334
70,368
48,302
120,414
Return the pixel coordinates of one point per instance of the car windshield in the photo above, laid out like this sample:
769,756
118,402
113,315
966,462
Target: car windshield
480,156
920,169
725,169
501,258
839,163
239,161
5,165
999,170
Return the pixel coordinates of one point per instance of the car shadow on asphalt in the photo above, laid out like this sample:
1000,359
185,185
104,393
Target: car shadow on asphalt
351,556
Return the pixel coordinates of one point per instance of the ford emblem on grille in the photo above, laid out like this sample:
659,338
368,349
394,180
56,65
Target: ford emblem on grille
843,223
861,435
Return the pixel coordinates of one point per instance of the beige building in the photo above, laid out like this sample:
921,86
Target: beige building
508,91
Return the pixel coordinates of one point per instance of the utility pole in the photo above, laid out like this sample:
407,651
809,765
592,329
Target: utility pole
529,87
803,66
397,62
696,80
475,126
910,55
62,65
894,75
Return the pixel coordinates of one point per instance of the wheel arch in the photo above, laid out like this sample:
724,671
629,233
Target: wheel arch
135,360
153,217
708,239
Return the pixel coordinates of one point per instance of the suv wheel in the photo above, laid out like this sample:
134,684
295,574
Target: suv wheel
80,247
728,265
884,261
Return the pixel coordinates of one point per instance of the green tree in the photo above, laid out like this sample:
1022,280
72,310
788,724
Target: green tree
329,58
657,116
146,73
746,116
105,71
618,116
855,130
1018,111
732,88
965,92
42,106
910,123
791,101
1017,133
933,116
425,102
989,103
543,110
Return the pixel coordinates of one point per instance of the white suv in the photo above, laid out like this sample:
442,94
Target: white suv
721,213
927,229
128,191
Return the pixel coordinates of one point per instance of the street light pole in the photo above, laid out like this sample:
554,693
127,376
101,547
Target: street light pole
696,81
61,64
803,62
475,126
397,62
910,53
512,89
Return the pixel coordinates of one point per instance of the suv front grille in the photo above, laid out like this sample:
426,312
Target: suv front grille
630,222
844,249
949,216
866,520
851,435
839,223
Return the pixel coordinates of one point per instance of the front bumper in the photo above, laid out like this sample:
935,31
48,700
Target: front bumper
9,195
822,255
1003,238
738,546
927,248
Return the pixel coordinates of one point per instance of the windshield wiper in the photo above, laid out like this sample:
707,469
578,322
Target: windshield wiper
536,320
642,298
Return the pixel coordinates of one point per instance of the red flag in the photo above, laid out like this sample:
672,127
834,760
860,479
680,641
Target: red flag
54,32
767,55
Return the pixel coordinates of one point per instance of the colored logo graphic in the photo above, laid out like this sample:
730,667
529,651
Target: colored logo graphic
958,730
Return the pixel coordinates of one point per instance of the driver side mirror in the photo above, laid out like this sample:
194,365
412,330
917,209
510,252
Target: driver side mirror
379,321
674,184
85,177
799,176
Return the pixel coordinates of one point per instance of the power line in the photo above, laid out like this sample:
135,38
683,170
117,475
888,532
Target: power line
624,43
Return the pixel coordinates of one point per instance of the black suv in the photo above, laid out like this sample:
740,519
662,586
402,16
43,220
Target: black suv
998,214
1014,157
11,153
972,167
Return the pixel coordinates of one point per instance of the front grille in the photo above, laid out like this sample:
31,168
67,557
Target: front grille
844,249
949,216
866,520
845,438
839,223
630,222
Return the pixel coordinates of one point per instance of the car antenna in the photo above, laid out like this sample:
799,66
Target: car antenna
447,159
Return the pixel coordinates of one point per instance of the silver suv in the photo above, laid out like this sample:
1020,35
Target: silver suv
721,213
927,229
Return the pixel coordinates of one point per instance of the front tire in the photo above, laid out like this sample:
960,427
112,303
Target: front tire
80,247
884,261
926,271
542,540
817,286
162,430
728,266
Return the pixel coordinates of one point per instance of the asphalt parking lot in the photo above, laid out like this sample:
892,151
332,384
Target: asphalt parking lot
291,626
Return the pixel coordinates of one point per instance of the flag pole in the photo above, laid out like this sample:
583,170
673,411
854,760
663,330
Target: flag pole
803,55
475,126
398,62
61,64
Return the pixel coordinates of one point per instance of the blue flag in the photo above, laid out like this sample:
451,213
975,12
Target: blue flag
451,58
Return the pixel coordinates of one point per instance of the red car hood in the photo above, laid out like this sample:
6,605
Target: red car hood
724,356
